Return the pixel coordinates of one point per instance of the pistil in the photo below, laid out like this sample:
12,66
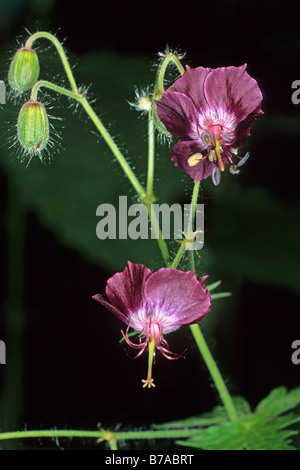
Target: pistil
149,381
218,153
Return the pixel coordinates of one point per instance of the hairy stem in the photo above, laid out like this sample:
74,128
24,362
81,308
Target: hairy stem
160,434
101,128
190,233
195,329
214,372
170,58
158,234
151,154
61,52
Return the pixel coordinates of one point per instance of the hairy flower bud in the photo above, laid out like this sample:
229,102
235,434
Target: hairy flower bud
24,69
33,127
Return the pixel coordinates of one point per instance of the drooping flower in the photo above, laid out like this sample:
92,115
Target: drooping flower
154,304
211,111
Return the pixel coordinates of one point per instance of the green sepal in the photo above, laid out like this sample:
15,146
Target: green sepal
33,127
24,69
161,128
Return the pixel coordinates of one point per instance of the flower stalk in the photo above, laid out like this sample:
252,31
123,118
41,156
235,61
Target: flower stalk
214,372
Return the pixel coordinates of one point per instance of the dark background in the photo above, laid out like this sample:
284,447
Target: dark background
65,367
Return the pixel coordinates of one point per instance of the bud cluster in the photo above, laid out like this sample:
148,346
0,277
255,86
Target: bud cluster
33,124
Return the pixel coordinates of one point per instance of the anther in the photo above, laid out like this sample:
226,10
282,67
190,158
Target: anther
194,159
244,159
206,138
216,176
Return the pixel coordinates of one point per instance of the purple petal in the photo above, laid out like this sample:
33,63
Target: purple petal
180,298
232,89
180,154
178,114
110,307
191,83
125,290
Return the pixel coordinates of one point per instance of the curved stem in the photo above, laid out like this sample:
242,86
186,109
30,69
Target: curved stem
61,52
159,85
151,154
56,88
214,372
97,122
114,148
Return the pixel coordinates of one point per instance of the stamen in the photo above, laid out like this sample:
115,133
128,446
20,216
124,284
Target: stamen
194,159
149,381
206,138
244,159
130,343
216,176
220,161
233,169
212,156
167,353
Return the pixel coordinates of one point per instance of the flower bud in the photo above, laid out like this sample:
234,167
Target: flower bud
33,127
24,69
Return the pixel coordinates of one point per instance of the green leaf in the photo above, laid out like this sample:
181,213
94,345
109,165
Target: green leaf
217,416
278,401
240,436
265,429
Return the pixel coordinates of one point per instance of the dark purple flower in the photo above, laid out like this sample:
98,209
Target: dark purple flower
211,112
154,304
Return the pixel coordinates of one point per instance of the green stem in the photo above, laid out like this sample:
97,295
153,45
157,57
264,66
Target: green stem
113,444
61,52
119,156
193,208
158,234
114,148
179,255
160,434
56,88
214,372
159,85
97,122
198,336
151,154
148,382
190,233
